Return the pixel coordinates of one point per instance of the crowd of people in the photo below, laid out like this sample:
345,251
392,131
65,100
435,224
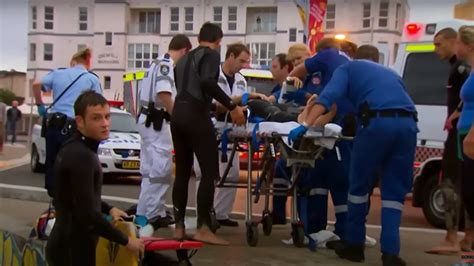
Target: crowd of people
342,84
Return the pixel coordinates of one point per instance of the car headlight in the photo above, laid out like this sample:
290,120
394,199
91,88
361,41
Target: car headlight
104,152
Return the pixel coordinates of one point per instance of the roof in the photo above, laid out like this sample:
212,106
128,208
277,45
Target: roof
11,73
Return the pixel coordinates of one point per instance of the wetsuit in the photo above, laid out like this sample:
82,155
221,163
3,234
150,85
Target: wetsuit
79,218
196,77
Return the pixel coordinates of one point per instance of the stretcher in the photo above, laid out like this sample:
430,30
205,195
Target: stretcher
271,140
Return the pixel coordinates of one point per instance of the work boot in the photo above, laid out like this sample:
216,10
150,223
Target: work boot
335,244
392,260
352,253
160,222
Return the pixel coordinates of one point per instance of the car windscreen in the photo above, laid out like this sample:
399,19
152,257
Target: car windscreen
261,85
123,123
425,77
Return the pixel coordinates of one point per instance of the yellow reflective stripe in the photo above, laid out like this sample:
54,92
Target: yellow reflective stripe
134,76
420,47
255,75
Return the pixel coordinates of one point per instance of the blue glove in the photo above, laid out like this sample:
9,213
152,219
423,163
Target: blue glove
299,97
42,110
245,98
296,133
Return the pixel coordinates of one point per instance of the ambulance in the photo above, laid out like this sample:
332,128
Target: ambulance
425,77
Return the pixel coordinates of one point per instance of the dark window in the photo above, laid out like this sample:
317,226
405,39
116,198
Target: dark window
48,52
108,38
292,35
48,17
425,77
107,82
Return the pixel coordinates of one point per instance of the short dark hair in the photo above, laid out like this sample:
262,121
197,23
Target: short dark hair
283,60
236,49
349,48
179,42
368,52
328,43
86,99
447,33
210,32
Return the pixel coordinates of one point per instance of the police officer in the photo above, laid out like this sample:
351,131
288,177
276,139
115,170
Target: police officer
157,92
192,130
386,139
445,48
66,85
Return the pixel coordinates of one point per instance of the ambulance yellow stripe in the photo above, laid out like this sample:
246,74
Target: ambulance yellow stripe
258,75
420,47
134,76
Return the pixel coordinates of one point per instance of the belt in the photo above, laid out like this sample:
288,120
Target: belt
144,110
392,113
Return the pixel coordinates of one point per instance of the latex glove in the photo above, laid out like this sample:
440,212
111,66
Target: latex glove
296,133
299,97
42,110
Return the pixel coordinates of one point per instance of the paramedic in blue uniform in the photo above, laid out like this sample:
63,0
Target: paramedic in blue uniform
385,137
330,173
157,93
60,116
280,69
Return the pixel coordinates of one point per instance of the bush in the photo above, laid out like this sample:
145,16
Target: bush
7,96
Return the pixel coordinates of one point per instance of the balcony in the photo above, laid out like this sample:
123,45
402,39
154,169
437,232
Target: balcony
261,20
145,21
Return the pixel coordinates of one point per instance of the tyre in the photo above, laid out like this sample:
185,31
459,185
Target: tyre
433,202
35,164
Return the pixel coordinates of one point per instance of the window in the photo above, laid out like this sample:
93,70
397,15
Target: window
107,82
149,22
34,17
395,51
81,47
330,17
48,52
262,53
425,78
292,35
218,15
48,17
140,55
398,16
232,25
366,15
383,14
108,38
32,52
261,19
174,22
82,18
188,18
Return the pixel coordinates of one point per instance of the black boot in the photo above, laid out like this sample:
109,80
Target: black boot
392,260
352,253
335,244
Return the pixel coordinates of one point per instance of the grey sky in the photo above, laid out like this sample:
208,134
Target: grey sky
14,28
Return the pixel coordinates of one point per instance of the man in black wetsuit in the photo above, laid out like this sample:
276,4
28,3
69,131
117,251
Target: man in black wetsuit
79,209
196,76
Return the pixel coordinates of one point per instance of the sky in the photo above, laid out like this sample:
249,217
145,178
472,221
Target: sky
14,20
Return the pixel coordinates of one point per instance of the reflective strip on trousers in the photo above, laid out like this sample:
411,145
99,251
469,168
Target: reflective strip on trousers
281,181
159,180
358,199
392,204
318,191
340,208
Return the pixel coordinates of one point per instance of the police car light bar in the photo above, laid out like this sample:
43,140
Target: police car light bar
413,28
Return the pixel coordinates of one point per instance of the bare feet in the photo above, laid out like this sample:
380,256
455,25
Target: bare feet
466,245
445,248
179,233
205,235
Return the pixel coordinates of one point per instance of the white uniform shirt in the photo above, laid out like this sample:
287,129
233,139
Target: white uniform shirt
161,73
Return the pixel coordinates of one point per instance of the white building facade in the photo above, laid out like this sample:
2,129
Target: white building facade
125,35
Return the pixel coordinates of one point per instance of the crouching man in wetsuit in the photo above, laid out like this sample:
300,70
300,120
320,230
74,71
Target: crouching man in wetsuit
196,76
79,209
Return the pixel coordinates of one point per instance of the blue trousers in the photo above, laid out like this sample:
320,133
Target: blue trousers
387,145
329,174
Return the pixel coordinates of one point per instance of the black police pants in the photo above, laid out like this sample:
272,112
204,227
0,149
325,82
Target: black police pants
193,133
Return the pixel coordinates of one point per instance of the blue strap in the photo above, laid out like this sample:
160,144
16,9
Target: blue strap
245,98
255,141
224,143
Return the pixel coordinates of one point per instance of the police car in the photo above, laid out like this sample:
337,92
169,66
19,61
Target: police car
426,77
120,154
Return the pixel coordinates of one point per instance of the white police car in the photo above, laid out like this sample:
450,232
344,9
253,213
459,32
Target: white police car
120,154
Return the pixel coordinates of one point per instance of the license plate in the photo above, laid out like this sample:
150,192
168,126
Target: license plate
131,164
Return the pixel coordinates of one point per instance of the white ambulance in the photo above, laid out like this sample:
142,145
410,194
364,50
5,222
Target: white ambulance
425,77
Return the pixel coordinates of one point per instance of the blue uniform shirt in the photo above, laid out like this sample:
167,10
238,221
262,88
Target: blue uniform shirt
363,80
320,70
276,91
57,81
467,96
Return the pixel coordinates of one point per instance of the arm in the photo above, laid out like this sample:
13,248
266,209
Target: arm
299,71
46,83
163,86
82,189
37,92
167,100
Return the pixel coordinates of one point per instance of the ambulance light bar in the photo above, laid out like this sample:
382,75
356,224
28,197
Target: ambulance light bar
413,28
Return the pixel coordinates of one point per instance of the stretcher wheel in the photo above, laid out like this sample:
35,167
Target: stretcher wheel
297,233
214,223
252,234
267,223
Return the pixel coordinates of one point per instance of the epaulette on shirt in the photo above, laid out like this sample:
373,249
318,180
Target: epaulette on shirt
166,58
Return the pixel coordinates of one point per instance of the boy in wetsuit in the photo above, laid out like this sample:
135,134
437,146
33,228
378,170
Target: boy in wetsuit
79,209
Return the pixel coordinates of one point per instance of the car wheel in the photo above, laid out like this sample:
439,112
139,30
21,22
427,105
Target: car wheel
433,202
35,164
